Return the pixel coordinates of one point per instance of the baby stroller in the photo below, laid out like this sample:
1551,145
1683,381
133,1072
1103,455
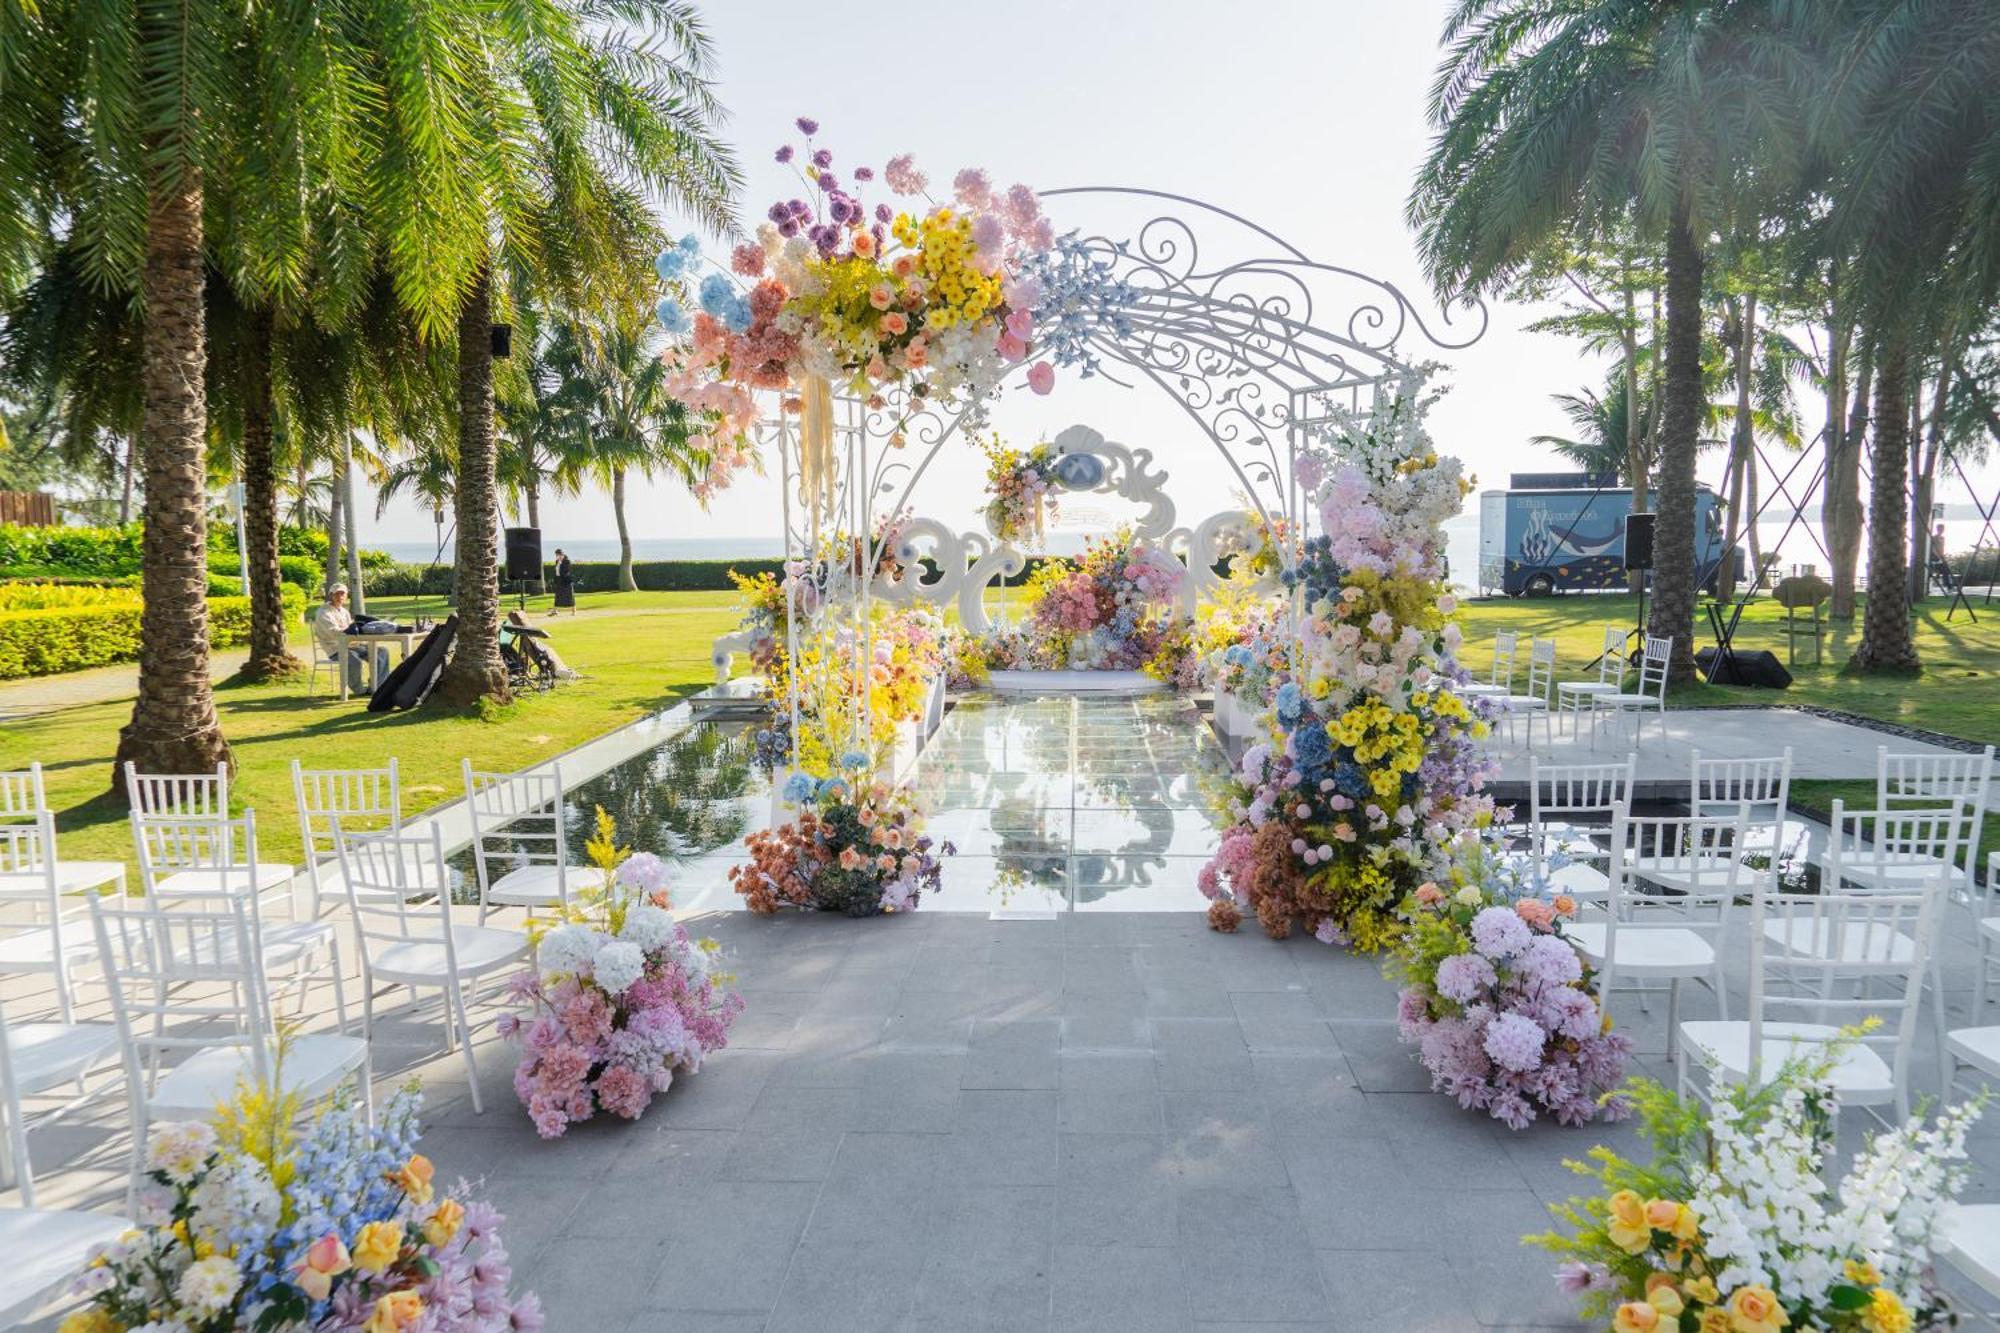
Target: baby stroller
530,666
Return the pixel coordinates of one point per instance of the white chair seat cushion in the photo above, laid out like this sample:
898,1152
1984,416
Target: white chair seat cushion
1585,687
1691,874
535,884
1477,689
35,949
1860,1076
1866,944
314,1065
286,942
1969,1240
479,949
1646,950
71,877
1625,700
215,881
1906,871
1579,880
1518,703
45,1248
45,1054
1978,1047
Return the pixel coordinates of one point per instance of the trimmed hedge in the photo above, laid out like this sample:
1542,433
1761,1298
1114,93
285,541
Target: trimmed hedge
72,550
47,643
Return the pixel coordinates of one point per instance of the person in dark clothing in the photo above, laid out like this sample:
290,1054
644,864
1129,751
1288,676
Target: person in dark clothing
565,582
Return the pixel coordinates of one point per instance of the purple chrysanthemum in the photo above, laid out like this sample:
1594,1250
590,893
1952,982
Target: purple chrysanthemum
1499,934
864,173
1549,960
1515,1042
807,125
784,154
1463,977
823,157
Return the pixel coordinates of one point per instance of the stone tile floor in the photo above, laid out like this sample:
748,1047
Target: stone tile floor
938,1121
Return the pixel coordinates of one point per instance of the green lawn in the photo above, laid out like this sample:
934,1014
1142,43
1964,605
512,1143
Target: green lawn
1958,693
638,652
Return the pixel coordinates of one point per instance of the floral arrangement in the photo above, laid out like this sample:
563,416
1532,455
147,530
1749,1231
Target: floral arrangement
856,847
1368,777
621,997
928,295
1022,485
255,1224
1108,610
1500,1007
1734,1227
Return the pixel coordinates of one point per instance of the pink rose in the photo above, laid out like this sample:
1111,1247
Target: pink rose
1041,377
325,1259
895,322
880,296
917,355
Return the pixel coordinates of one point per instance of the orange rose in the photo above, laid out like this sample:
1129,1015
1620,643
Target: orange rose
1565,905
1756,1310
415,1178
1635,1317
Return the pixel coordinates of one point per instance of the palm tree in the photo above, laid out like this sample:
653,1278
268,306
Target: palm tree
1911,125
601,119
1558,122
634,426
1600,445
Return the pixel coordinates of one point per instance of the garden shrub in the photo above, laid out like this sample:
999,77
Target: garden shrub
63,633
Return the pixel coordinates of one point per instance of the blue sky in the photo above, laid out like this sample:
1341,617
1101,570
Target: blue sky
1305,117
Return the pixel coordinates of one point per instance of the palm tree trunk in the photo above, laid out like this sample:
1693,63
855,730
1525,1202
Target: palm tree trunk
1923,485
125,486
533,489
333,524
1887,643
269,657
1846,544
1635,453
357,596
174,728
475,671
1673,535
626,581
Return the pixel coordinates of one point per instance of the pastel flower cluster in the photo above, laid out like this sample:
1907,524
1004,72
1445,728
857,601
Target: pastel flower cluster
1369,765
1381,489
339,1228
931,297
858,848
1498,1004
621,997
1734,1226
1021,485
1108,610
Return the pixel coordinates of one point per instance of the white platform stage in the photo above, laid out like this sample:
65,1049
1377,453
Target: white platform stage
1075,682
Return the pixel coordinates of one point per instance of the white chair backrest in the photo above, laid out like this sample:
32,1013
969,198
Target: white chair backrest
1653,666
21,793
385,875
28,859
1577,789
1611,661
1541,668
1505,644
1932,779
151,959
1701,858
193,795
168,844
517,819
1885,849
1837,980
1723,786
332,800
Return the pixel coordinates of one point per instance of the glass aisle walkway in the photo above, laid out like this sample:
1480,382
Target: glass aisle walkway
1072,803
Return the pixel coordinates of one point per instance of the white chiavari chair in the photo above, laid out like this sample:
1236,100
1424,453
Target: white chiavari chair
1677,931
1500,679
1649,696
1903,781
1573,696
34,1059
1567,804
1829,991
194,1017
188,795
1534,702
520,842
357,800
406,941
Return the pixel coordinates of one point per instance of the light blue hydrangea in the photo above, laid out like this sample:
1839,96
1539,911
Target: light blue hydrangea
673,316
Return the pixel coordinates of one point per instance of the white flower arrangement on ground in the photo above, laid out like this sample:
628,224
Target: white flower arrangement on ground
1733,1226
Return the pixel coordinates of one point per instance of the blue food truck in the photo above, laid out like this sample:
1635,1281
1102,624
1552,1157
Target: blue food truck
1565,532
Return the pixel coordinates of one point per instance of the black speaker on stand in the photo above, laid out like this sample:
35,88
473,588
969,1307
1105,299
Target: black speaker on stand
1639,559
524,559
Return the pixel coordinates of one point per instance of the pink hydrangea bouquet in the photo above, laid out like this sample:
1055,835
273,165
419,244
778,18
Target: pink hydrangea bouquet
621,998
1109,610
1499,1005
